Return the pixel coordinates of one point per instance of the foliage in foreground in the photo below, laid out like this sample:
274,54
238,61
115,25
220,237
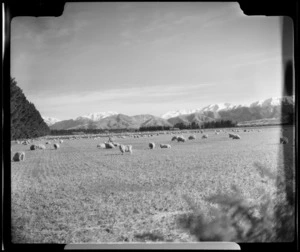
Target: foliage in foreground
240,221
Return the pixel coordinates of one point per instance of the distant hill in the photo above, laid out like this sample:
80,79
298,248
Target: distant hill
50,120
197,117
265,109
118,121
26,121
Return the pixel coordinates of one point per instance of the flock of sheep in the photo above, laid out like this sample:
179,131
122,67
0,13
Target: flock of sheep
20,156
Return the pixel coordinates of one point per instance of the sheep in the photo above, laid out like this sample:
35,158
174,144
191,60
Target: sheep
56,146
48,142
201,131
19,156
125,148
192,137
109,145
284,140
231,135
151,145
37,146
165,146
174,138
102,146
181,139
205,136
61,141
236,137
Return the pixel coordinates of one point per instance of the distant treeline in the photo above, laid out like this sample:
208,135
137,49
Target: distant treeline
25,119
89,131
154,128
207,125
180,126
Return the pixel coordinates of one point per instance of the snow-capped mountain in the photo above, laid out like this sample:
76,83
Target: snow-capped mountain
50,120
180,112
274,101
218,107
275,107
223,107
97,116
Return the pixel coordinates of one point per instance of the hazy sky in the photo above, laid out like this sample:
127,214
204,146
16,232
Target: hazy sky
145,58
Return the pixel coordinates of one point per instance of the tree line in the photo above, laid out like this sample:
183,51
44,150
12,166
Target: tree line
207,125
25,119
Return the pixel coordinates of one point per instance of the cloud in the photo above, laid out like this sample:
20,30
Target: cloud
129,95
45,32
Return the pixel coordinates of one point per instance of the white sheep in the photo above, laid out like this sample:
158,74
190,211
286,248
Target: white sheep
165,146
61,141
56,146
236,137
19,156
205,136
151,145
181,139
109,145
174,138
102,146
125,148
37,146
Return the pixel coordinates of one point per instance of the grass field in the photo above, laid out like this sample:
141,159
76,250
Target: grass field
80,193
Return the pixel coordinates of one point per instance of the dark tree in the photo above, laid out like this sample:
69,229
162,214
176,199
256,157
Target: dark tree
26,121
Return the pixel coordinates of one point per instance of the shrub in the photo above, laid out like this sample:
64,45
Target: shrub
238,220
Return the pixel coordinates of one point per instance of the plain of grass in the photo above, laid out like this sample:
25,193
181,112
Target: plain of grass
80,193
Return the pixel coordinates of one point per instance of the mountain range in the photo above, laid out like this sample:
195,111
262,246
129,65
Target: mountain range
268,109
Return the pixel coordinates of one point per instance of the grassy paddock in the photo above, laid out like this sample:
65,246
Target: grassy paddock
80,193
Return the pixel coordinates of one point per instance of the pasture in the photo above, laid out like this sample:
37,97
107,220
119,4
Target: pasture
80,193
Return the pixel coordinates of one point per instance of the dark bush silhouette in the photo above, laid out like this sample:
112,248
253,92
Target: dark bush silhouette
26,121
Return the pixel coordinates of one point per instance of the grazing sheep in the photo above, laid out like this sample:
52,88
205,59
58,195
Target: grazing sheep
231,135
205,136
116,144
165,146
19,156
201,131
48,142
109,145
236,137
56,146
174,138
37,146
102,146
151,145
61,141
192,137
125,148
181,139
284,140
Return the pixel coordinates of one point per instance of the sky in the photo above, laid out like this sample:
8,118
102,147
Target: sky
145,58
